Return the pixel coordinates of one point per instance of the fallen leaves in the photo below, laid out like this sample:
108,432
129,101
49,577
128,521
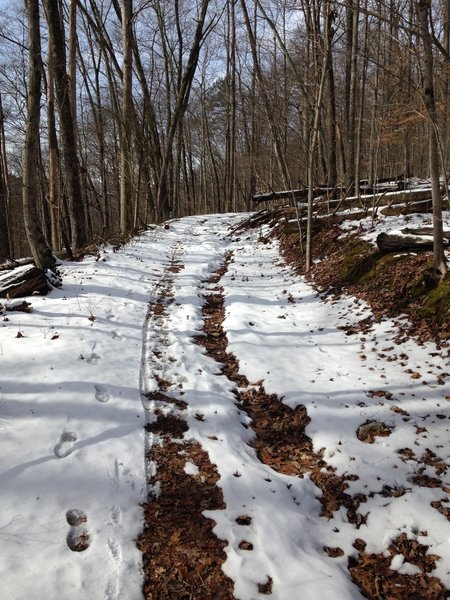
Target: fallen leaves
370,430
374,575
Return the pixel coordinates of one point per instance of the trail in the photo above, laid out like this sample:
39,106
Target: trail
218,441
248,393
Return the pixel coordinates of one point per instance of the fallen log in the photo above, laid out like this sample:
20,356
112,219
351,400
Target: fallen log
416,207
16,306
397,241
23,281
9,264
425,231
260,218
301,194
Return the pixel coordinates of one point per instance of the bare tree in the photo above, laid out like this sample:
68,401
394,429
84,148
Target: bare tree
424,17
4,225
126,116
39,247
183,93
67,120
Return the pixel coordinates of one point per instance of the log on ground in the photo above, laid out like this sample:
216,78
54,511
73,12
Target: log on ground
23,281
415,207
393,242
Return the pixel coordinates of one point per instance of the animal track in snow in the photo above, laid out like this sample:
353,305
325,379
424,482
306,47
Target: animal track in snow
116,515
115,550
93,358
116,335
102,393
65,445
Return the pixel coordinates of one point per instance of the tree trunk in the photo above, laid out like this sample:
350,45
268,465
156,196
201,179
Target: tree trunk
268,107
313,144
163,200
125,125
5,250
350,87
67,118
423,15
41,251
330,106
53,160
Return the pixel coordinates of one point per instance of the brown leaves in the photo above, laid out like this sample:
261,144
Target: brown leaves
368,431
266,588
374,576
333,552
182,556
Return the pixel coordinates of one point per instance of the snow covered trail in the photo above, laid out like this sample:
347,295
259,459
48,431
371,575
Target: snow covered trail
71,424
304,350
286,532
79,378
285,336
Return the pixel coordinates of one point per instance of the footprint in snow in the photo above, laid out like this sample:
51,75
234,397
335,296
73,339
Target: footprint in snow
78,539
116,515
115,550
65,445
116,335
111,591
93,358
102,393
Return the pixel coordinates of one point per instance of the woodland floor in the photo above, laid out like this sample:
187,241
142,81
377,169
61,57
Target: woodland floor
182,556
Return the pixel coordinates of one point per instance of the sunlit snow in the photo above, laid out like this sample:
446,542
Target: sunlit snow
73,375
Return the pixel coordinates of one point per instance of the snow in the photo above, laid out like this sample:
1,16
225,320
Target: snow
370,228
73,406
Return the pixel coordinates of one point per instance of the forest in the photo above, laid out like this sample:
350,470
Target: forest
238,387
115,114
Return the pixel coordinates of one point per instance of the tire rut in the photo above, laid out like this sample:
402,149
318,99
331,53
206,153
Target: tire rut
182,557
282,444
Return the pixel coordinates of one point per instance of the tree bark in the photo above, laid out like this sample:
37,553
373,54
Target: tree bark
53,160
40,249
67,118
125,125
5,250
423,16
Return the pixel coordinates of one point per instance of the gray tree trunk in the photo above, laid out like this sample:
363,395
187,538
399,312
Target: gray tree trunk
125,125
4,228
41,251
67,118
423,16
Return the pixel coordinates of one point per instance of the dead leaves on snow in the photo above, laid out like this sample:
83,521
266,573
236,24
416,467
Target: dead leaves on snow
376,579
